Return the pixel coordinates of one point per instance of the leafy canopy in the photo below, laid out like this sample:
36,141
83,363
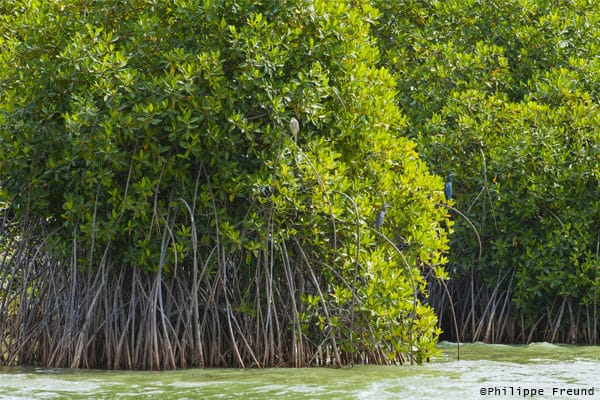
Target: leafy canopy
148,132
505,94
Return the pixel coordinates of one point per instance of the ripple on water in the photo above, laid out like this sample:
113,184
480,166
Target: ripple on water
464,379
29,386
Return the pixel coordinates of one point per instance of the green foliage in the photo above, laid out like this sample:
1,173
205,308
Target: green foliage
151,132
505,95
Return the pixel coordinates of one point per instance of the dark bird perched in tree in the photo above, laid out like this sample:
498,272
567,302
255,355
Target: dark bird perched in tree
448,187
381,216
294,128
401,243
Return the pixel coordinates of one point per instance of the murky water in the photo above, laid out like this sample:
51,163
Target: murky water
539,371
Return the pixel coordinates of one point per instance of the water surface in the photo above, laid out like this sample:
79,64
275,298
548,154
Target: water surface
539,371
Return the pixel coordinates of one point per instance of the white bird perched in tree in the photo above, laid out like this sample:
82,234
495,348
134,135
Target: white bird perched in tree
381,215
294,128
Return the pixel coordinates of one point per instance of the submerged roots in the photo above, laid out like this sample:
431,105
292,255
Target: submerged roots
55,314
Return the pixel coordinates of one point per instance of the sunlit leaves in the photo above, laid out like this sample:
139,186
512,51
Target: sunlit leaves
159,131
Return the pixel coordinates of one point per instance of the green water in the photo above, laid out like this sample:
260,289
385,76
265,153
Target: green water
502,372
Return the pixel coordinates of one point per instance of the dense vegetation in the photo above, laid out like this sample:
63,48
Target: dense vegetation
505,95
160,209
162,212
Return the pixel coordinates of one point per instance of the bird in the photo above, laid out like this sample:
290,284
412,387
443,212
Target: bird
294,128
448,187
381,215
